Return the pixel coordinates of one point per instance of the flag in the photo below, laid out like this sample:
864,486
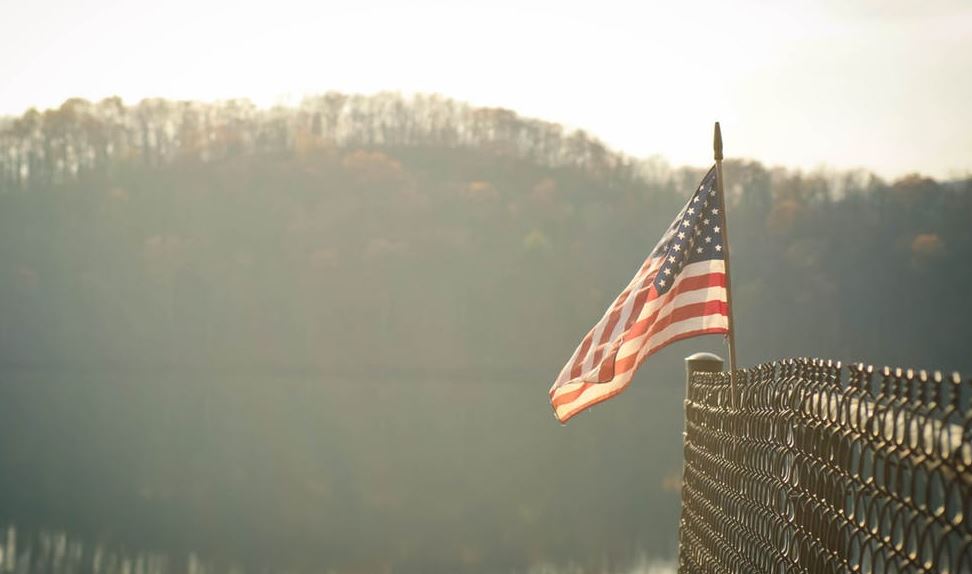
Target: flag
679,292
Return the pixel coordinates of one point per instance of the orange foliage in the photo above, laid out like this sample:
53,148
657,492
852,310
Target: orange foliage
545,191
480,191
783,216
373,167
926,245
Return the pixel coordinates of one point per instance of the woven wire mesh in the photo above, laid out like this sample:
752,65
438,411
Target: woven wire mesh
824,469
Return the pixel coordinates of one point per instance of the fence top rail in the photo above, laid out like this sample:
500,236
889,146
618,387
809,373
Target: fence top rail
931,420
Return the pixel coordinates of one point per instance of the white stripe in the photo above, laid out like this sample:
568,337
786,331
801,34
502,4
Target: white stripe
626,312
598,331
622,379
565,372
702,268
675,329
595,391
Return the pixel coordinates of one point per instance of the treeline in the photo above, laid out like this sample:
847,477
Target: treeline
83,140
384,234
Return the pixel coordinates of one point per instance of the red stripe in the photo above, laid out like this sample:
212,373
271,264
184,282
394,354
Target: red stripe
605,334
639,304
579,361
592,402
688,284
606,371
614,318
612,367
686,312
621,299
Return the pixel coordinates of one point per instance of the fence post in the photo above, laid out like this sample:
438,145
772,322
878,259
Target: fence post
701,363
696,363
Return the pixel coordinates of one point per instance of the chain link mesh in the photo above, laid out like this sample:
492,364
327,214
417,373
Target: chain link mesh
824,469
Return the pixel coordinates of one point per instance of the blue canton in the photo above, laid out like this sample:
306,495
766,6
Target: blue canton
695,235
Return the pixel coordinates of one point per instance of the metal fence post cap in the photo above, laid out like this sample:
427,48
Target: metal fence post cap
704,362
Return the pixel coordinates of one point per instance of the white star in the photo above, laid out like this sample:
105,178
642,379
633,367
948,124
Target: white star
696,200
661,282
718,248
671,259
716,229
699,250
715,212
708,240
681,235
705,221
677,247
685,223
667,271
691,210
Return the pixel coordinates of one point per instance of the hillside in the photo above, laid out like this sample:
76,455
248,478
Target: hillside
380,233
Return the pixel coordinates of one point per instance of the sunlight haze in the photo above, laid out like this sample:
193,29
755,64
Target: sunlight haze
346,287
878,85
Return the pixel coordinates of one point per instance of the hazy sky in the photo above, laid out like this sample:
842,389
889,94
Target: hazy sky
881,84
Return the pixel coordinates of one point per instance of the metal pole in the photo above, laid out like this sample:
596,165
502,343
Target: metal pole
717,148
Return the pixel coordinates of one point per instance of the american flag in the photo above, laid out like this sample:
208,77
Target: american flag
679,292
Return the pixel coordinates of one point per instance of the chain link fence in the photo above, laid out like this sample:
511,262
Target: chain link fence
826,469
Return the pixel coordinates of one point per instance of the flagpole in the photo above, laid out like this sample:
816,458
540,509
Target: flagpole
717,148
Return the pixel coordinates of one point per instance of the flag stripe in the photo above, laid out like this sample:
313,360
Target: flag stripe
681,314
579,361
566,412
696,276
689,274
656,341
699,283
619,313
683,293
619,319
634,343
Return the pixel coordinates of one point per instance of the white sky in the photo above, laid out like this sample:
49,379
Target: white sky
880,84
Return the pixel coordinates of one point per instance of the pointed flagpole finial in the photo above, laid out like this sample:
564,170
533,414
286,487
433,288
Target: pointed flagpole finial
717,142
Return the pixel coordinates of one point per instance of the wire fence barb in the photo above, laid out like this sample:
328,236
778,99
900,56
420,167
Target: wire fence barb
826,469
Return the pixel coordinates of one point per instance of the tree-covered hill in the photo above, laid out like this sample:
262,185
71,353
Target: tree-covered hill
391,234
